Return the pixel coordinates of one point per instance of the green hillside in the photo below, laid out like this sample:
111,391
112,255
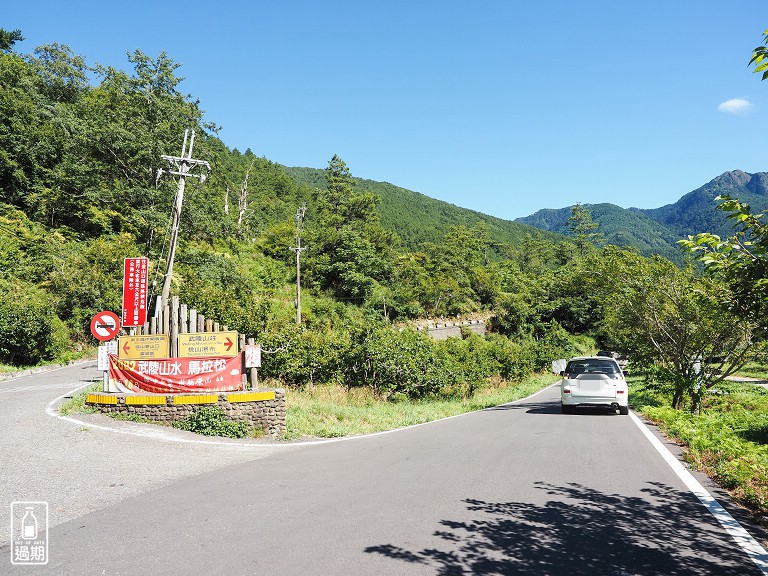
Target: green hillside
618,225
656,231
418,219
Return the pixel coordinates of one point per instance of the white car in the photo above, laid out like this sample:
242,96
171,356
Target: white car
593,381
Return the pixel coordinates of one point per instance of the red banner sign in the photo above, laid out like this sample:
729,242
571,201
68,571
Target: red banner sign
174,375
135,282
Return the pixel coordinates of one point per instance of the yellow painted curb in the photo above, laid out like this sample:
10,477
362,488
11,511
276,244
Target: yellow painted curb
196,399
134,400
250,396
101,399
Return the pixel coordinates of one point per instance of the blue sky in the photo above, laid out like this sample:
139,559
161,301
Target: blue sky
504,107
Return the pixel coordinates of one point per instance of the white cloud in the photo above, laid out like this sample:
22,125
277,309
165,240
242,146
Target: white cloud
737,106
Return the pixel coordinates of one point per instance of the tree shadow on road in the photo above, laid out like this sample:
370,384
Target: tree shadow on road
581,531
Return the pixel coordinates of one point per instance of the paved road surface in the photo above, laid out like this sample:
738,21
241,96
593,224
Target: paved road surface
520,489
79,468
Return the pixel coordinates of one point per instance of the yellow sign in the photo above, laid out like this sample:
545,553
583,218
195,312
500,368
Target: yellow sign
203,344
147,347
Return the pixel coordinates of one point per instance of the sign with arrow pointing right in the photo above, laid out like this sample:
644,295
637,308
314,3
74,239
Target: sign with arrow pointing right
205,344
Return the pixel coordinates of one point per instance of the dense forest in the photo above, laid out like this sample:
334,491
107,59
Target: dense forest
80,149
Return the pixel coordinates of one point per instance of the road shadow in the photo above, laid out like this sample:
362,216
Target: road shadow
554,408
581,531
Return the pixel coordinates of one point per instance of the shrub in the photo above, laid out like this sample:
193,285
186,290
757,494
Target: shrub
30,331
212,421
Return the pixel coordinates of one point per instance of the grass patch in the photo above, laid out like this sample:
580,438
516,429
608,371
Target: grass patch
76,404
754,370
728,441
331,411
130,417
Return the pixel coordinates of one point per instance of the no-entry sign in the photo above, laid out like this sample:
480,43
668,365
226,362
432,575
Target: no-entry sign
105,325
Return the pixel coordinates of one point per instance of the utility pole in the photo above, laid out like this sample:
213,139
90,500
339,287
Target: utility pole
299,249
180,166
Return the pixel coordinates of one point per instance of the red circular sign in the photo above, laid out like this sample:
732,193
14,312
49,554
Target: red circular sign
105,325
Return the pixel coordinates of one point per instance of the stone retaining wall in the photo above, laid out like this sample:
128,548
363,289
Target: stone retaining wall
453,329
263,409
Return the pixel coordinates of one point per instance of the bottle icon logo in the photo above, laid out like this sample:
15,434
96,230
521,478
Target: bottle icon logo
29,524
29,533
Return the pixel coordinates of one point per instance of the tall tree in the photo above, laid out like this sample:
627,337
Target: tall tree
349,251
8,39
583,229
673,324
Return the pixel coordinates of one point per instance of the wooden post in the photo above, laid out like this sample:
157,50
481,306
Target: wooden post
174,333
254,375
193,320
183,324
166,319
153,325
200,323
241,346
215,326
208,325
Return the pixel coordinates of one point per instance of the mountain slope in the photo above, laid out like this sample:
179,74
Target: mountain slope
656,231
618,226
418,218
696,211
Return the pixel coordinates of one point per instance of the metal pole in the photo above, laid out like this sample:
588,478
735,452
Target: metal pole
298,249
298,282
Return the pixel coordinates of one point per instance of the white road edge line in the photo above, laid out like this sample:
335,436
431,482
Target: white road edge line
753,549
161,435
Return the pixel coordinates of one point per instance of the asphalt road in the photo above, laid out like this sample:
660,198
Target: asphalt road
520,489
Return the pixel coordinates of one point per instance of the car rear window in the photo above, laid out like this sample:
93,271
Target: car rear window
576,367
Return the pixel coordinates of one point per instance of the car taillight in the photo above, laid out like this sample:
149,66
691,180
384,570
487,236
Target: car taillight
566,391
619,391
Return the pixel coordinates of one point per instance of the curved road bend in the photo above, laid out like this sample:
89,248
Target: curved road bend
519,489
78,468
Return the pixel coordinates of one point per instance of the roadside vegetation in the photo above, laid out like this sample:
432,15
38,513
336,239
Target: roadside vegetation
331,411
727,439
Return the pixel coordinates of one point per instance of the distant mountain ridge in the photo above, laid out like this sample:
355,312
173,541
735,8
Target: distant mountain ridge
419,219
656,230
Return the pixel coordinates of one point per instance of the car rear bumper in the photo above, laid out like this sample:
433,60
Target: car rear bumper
618,400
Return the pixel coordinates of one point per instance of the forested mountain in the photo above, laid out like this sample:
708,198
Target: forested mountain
419,219
656,231
696,211
618,226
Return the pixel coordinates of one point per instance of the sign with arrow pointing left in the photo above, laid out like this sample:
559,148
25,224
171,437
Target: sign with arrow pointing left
146,347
